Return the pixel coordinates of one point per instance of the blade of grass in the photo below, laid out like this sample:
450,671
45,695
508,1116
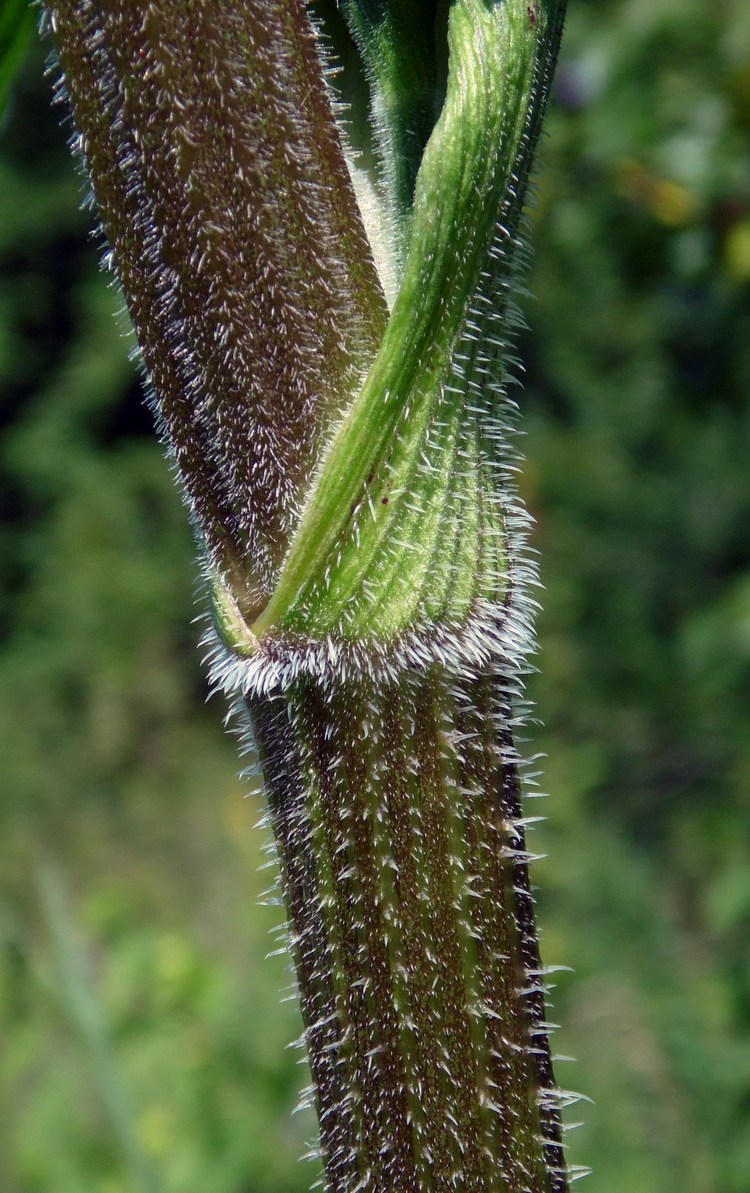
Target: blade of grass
83,1010
17,25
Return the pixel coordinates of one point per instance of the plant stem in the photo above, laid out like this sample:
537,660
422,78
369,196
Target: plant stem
226,201
350,474
396,811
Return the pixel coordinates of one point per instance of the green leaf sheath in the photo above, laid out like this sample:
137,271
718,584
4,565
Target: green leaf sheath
396,810
228,207
17,24
405,523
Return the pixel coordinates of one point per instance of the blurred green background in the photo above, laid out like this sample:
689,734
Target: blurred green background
142,1034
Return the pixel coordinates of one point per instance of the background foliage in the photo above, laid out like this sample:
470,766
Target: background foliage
143,1042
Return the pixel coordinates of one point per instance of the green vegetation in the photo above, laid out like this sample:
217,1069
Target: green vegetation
638,429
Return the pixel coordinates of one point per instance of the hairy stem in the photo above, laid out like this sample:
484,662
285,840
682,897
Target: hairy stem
350,474
217,168
395,806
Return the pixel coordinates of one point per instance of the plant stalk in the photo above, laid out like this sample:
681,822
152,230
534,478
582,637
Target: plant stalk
395,807
350,479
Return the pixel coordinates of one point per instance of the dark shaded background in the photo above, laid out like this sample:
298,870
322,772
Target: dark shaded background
142,1040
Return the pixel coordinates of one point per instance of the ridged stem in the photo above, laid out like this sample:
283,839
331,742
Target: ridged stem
395,807
207,130
350,476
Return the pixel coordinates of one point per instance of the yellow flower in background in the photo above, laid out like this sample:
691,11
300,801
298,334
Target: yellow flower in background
737,251
667,201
